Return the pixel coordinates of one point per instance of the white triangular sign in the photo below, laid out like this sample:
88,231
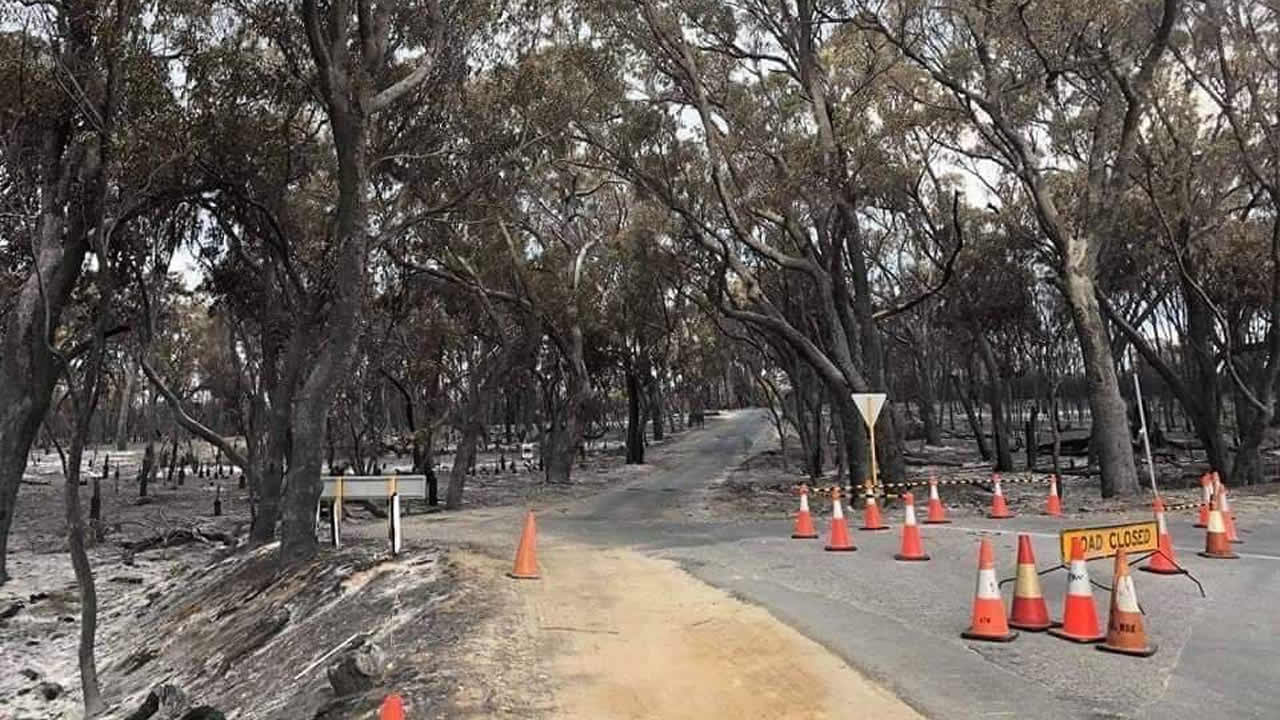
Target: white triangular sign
869,405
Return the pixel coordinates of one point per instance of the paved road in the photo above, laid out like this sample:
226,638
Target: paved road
899,623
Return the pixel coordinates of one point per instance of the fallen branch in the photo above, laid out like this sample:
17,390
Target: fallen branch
181,536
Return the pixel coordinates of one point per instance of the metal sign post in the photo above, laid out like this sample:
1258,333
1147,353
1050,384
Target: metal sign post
869,406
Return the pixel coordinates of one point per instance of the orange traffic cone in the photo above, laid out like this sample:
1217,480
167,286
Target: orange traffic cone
804,521
392,708
1053,506
1125,633
912,549
1216,544
999,510
1163,561
1228,517
871,514
526,567
1029,610
1079,616
839,540
1206,492
988,621
937,513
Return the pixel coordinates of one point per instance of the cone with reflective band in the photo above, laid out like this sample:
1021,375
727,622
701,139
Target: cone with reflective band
392,708
937,513
1125,632
1163,562
839,540
1079,615
1029,610
526,567
804,521
912,548
1228,517
988,621
1206,491
871,514
1053,506
1216,544
999,510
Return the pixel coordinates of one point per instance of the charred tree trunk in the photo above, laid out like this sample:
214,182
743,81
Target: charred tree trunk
635,420
656,410
975,424
995,399
464,457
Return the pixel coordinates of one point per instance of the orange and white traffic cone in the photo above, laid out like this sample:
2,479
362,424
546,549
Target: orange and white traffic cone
1125,632
839,540
988,621
1216,544
937,513
1162,562
912,548
1053,506
1029,611
1206,492
1228,517
526,567
999,510
871,513
1079,616
804,521
392,708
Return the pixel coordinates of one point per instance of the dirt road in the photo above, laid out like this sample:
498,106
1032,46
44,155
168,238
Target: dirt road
621,635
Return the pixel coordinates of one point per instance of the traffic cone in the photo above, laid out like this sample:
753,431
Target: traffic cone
1206,492
1125,633
871,514
839,540
937,513
526,567
1029,611
1079,616
392,708
1053,506
912,549
999,510
988,622
1228,517
804,521
1216,544
1162,562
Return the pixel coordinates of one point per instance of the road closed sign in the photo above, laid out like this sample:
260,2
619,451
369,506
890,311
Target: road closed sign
1106,541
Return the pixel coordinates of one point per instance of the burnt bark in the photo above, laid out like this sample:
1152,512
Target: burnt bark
635,420
996,392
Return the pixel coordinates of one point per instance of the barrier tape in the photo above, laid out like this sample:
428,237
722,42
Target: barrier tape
881,492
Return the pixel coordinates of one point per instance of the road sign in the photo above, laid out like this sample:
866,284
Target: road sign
1107,540
869,405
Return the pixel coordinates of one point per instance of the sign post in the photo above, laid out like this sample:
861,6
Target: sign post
869,406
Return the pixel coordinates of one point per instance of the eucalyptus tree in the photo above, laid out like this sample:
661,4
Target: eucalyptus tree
1053,96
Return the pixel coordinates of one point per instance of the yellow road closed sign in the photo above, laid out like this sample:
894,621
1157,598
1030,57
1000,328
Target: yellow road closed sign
1106,541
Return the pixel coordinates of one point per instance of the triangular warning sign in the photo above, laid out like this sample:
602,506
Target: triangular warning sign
869,405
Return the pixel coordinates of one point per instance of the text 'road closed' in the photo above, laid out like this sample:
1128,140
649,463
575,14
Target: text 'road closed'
1106,541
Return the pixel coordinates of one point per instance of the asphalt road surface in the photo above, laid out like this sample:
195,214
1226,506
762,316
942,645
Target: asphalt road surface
900,623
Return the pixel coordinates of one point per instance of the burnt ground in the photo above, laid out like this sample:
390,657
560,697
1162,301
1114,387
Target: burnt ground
226,628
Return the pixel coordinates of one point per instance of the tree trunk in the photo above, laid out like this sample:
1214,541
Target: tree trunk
928,402
1033,442
1110,424
122,414
463,457
975,424
148,468
995,399
635,421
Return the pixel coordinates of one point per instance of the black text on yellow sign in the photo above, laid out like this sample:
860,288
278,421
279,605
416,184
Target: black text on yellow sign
1105,541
